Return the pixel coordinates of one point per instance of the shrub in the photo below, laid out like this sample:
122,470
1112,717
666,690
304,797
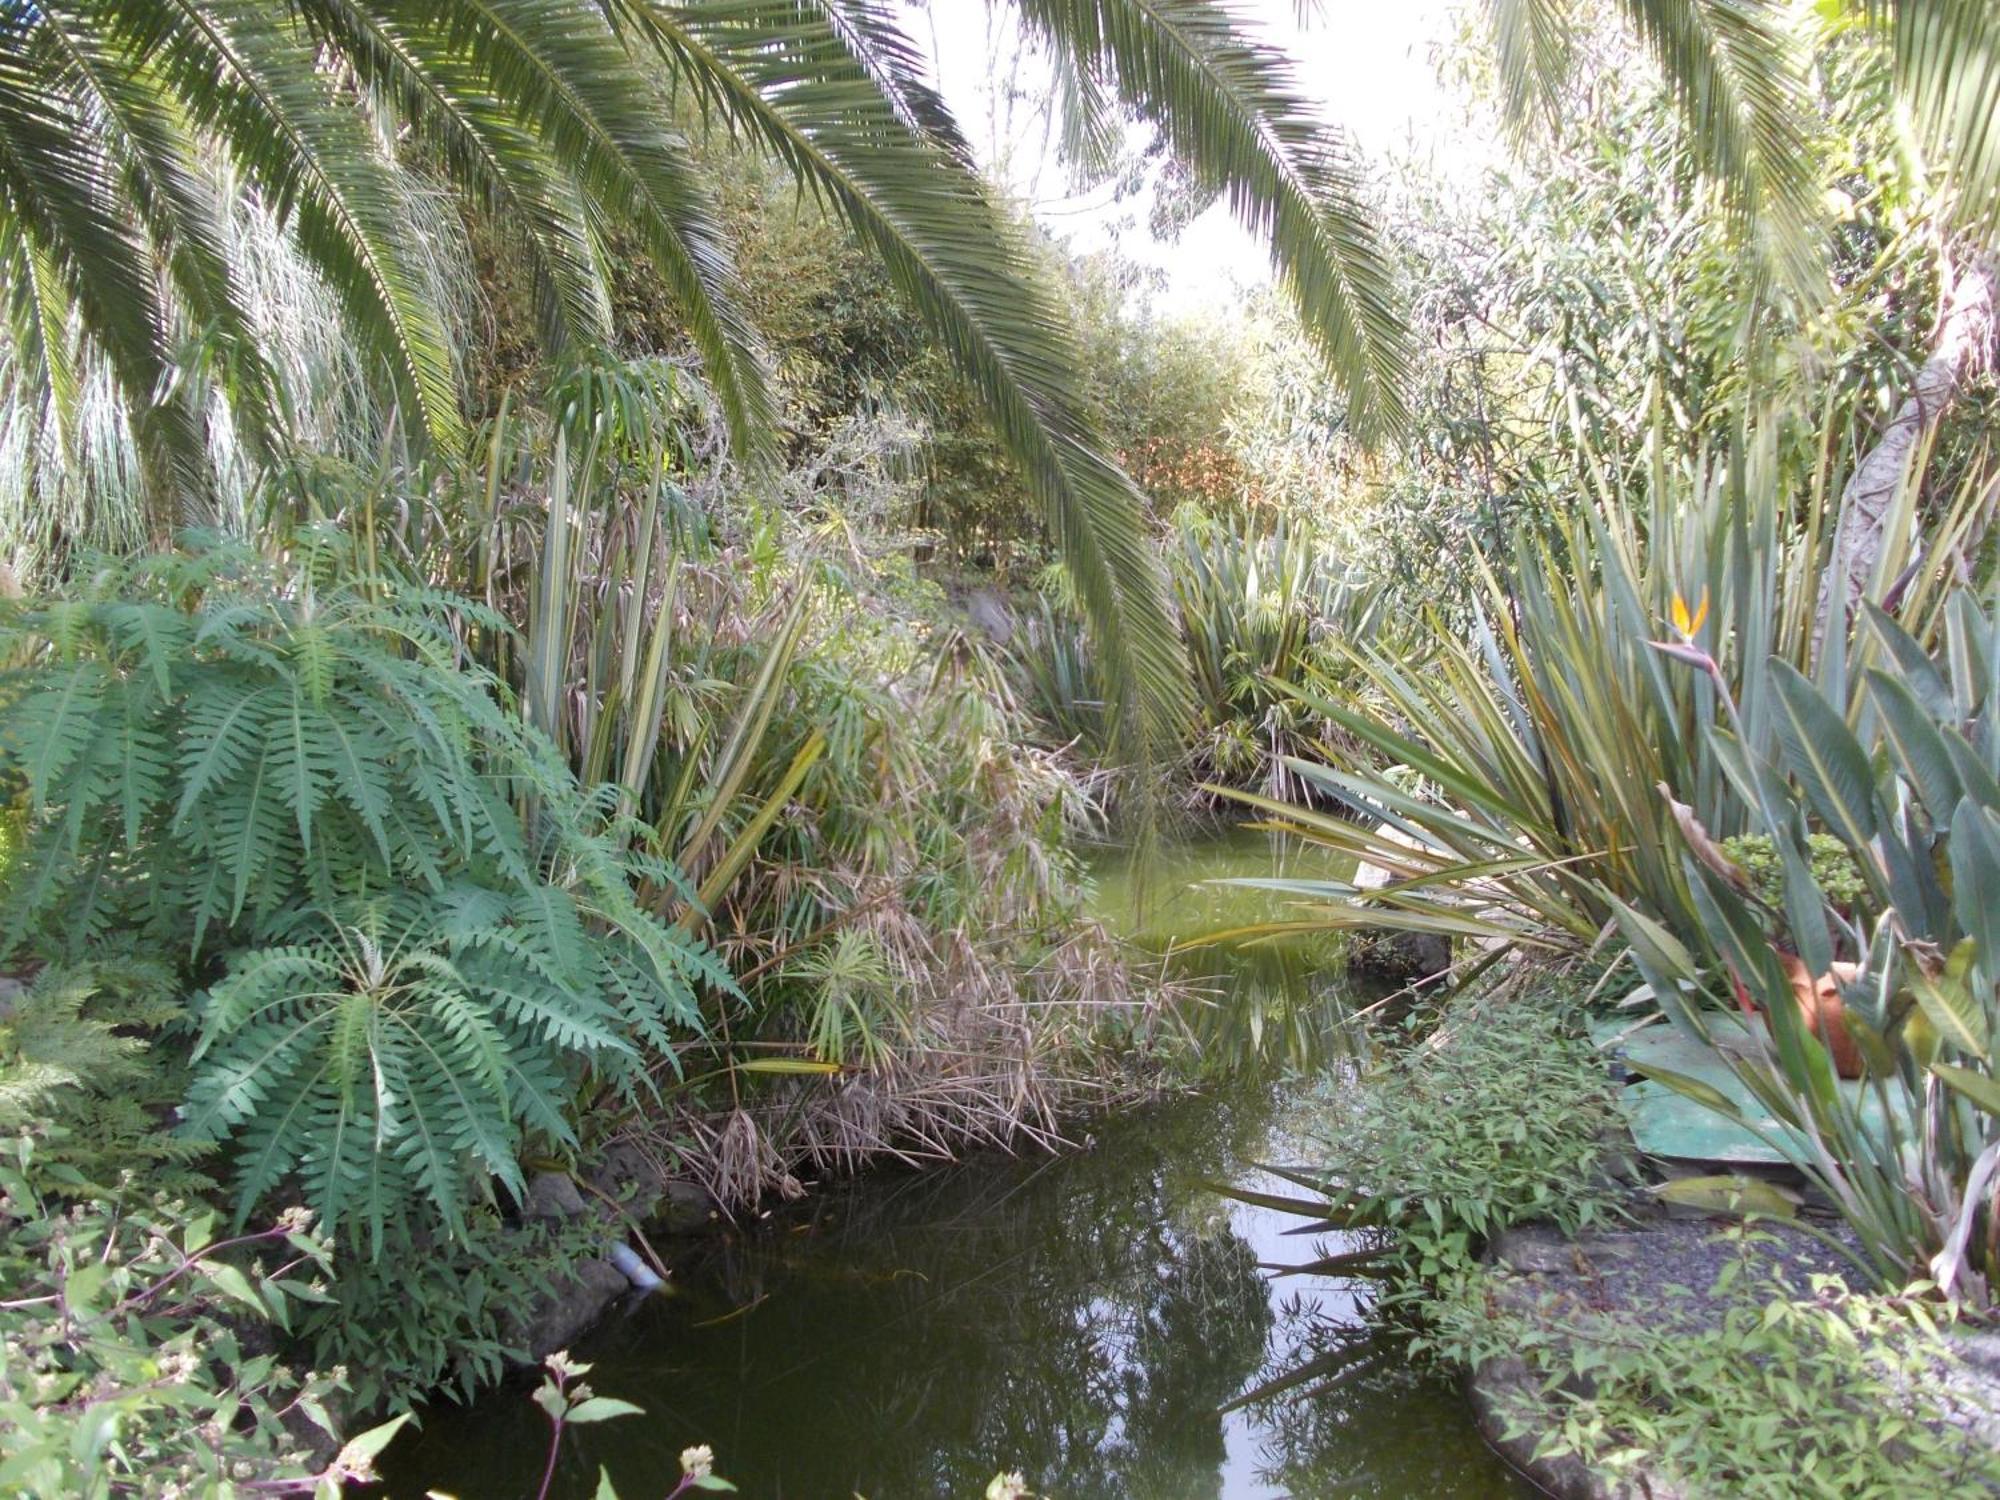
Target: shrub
1853,1383
130,1367
1904,780
1519,782
428,1318
79,1069
1495,1119
428,937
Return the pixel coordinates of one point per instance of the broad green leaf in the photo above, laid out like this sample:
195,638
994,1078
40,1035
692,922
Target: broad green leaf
234,1284
1704,1094
1730,1194
1975,882
1949,1003
602,1409
1822,752
1981,1088
358,1455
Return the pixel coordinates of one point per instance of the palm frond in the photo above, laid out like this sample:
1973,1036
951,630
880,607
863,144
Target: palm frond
1946,57
1534,41
1229,106
782,73
1735,72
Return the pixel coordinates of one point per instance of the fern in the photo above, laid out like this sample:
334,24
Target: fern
78,1068
305,778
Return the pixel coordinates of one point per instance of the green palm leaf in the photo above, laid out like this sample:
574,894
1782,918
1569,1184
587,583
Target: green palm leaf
1230,109
781,73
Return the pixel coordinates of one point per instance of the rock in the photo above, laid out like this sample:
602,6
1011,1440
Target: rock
1399,957
571,1305
630,1177
1534,1252
552,1195
1384,953
1970,1393
687,1208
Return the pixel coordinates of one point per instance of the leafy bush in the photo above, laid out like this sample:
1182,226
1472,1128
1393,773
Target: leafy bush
129,1368
429,1318
1262,607
1853,1383
1497,1118
428,937
1832,867
79,1069
1516,783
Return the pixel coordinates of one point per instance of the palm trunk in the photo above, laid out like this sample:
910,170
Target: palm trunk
1965,347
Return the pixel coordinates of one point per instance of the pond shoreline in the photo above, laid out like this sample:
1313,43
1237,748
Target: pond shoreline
965,1306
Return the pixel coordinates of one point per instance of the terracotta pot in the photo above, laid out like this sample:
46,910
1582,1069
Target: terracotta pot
1819,1007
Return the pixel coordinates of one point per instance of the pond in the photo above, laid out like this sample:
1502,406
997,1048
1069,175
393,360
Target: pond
1084,1319
1262,1004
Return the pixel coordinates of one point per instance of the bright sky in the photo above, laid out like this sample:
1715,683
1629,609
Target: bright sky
1367,64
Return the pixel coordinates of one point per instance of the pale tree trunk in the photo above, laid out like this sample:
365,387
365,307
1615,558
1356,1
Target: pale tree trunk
1965,348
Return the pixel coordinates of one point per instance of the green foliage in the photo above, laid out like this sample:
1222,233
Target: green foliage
1856,1384
394,1051
1589,315
1902,768
429,1318
79,1067
1498,1118
1517,783
1259,608
1832,868
131,1367
305,771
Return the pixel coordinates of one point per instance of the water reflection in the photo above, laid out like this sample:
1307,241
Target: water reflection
1081,1318
1269,1004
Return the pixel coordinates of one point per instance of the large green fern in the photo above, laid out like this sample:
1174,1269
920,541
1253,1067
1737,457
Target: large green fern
429,934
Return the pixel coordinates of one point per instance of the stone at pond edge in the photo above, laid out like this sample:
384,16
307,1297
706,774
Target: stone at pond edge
630,1176
1383,953
1503,1387
571,1305
552,1195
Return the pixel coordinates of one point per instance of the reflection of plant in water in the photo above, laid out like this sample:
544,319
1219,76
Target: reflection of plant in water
1081,1321
1083,1326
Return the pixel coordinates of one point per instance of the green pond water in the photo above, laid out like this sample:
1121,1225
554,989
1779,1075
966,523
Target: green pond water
1084,1318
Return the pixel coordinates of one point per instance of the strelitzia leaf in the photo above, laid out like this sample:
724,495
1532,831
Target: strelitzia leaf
1822,752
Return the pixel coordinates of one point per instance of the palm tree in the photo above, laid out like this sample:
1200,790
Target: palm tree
558,116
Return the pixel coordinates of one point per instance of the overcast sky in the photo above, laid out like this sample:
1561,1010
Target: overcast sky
1367,64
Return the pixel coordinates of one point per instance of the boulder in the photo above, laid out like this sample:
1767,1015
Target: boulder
570,1306
1385,953
552,1195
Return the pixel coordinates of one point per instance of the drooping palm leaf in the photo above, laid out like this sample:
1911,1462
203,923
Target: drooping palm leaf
1947,67
1734,69
1229,106
783,74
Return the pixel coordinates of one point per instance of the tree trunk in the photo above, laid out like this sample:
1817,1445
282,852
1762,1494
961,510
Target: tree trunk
1965,347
